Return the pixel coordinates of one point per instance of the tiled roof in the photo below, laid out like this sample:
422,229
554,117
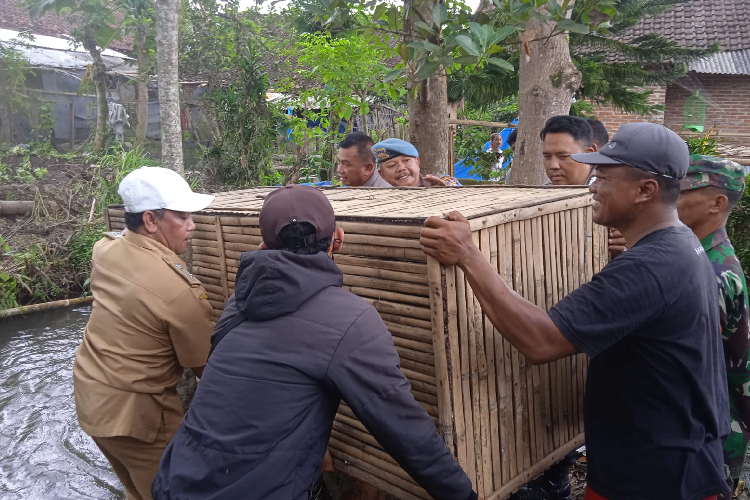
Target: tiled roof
15,17
699,23
735,62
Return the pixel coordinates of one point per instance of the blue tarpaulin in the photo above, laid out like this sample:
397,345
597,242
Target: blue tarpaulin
462,169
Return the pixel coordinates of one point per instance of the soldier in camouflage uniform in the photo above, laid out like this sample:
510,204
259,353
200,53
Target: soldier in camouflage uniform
708,193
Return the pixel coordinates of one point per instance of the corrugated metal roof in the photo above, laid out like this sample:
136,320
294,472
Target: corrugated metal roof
51,42
735,62
52,52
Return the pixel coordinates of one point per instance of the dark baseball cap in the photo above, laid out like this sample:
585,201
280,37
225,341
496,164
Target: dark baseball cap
648,146
296,203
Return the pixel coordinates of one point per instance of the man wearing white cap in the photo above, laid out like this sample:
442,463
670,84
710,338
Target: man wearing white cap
150,318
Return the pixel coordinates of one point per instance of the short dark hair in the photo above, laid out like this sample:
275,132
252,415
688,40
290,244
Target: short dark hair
133,221
362,142
669,188
293,239
601,136
575,126
512,138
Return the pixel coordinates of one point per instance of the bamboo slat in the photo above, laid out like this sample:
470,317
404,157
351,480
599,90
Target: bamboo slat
503,419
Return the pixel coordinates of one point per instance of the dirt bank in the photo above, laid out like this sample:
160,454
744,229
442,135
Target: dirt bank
45,252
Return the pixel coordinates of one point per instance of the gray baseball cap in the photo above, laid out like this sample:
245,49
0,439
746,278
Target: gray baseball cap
647,146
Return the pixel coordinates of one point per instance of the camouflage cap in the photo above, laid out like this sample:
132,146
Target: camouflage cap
712,171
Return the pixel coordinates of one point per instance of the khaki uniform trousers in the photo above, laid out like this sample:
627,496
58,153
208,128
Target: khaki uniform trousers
135,462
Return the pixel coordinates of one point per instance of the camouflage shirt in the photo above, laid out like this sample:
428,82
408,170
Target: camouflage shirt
735,333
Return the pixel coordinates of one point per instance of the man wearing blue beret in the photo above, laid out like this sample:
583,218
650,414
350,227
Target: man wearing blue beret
398,164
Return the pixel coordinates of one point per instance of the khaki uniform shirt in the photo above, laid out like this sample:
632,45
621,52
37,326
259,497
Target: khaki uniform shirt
149,318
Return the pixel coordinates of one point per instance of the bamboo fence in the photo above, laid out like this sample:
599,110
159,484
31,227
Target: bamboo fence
504,419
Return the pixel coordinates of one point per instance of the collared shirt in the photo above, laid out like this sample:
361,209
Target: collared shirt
376,180
150,317
735,335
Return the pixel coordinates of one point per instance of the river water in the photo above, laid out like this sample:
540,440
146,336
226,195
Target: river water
44,454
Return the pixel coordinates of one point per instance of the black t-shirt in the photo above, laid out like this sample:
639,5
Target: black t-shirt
657,410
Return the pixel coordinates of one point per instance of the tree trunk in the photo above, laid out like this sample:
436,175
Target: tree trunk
143,77
5,113
428,113
167,24
547,81
99,76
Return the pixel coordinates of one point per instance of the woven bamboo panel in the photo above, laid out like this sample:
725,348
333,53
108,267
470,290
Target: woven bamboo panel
504,420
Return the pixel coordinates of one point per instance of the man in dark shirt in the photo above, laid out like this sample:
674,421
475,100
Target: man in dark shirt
656,398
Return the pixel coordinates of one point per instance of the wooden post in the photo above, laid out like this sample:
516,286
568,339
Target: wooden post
222,256
72,124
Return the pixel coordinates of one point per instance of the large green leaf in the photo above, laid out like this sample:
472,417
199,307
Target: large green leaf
572,26
104,35
404,51
468,45
501,63
427,70
393,75
426,46
439,14
466,60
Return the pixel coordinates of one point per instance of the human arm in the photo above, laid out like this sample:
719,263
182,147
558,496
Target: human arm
617,301
188,321
434,180
525,325
617,243
365,372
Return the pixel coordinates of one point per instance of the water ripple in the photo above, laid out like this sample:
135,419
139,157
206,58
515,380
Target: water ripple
44,454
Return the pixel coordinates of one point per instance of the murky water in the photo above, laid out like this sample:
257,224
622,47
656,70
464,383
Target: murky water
44,454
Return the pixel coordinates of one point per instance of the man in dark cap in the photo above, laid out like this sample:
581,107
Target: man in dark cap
656,399
280,364
398,162
712,188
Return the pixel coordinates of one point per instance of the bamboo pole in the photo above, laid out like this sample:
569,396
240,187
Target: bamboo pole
14,311
445,413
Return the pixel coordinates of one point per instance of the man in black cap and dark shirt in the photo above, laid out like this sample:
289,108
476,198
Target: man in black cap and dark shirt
280,364
656,397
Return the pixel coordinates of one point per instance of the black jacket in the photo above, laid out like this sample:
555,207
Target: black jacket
262,415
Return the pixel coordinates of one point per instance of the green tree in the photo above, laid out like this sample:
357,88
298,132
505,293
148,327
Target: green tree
615,68
140,19
443,38
243,154
96,29
340,78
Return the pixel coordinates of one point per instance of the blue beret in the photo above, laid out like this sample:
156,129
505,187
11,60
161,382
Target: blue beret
391,148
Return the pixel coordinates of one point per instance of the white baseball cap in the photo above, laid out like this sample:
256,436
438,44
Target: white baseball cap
154,188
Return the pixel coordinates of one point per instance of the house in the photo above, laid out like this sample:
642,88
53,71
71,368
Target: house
722,81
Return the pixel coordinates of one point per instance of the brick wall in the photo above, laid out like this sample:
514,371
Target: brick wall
727,109
728,102
614,118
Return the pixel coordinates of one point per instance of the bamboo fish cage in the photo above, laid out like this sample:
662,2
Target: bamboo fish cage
505,420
